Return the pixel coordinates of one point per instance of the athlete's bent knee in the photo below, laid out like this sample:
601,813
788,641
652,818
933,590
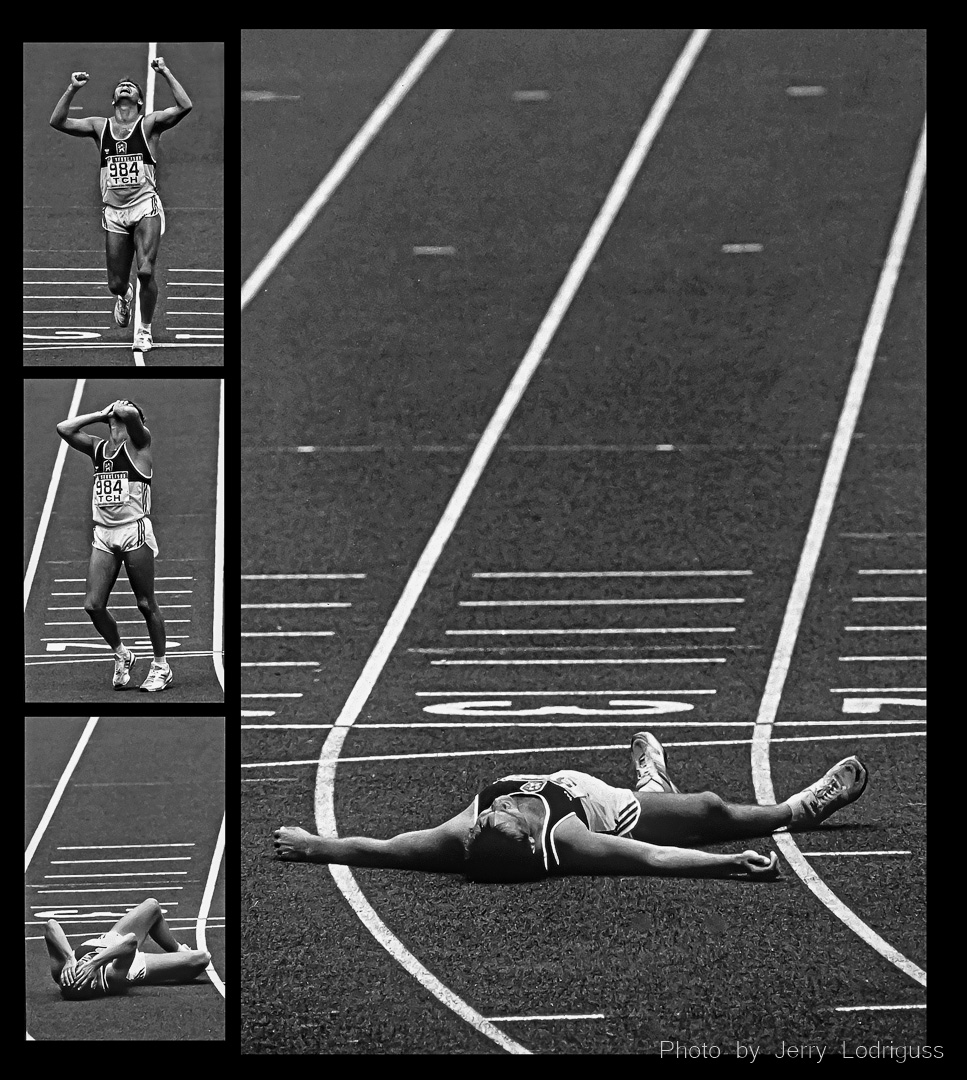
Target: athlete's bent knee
117,284
146,273
94,605
714,807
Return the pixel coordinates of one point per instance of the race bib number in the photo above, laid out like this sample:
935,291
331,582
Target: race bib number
110,489
127,171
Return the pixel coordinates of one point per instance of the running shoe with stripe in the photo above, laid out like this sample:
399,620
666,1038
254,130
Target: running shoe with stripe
651,765
122,669
843,784
142,340
159,677
122,308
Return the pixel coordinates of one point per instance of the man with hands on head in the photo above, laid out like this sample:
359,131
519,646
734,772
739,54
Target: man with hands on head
121,503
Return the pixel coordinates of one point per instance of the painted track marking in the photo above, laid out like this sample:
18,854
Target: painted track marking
329,755
809,558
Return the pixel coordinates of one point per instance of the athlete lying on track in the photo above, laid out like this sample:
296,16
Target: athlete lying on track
526,827
110,963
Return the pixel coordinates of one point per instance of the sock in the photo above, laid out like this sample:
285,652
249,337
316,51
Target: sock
160,661
653,784
146,326
121,652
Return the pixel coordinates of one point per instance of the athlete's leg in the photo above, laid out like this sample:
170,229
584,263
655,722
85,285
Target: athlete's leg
140,567
182,967
120,252
58,948
147,241
703,818
101,575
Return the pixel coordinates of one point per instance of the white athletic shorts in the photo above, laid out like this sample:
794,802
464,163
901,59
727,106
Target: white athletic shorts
122,219
138,966
117,539
609,809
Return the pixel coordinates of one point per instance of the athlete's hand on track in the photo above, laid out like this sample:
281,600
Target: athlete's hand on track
79,78
291,843
159,64
755,867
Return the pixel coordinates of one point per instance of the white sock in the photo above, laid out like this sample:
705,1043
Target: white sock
121,652
160,661
146,326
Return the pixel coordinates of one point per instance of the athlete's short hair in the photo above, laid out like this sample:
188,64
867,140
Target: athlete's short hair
499,849
114,98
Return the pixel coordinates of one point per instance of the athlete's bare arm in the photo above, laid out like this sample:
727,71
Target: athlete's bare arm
584,852
131,418
70,430
84,973
86,127
439,849
156,122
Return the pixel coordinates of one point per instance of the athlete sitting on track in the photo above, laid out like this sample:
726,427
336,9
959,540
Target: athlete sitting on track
133,218
122,531
526,827
111,963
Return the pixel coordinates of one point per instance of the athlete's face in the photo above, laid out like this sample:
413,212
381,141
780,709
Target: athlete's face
505,807
126,91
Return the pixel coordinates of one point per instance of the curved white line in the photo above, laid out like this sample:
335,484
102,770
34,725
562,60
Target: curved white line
796,605
218,597
206,903
325,777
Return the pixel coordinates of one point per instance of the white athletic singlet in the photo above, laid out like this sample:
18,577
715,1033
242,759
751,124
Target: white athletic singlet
122,493
127,167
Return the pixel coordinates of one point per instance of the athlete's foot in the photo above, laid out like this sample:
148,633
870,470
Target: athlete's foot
122,669
142,340
158,678
651,766
122,308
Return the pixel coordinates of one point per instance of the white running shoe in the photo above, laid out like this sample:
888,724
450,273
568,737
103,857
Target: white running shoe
122,669
844,783
122,308
142,341
648,757
159,677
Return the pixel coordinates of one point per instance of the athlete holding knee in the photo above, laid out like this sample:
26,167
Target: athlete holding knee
122,531
111,963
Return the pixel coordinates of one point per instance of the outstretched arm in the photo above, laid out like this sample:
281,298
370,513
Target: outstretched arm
584,852
439,849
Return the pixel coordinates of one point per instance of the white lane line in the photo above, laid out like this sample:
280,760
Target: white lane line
615,574
434,251
809,558
741,249
218,597
266,607
649,660
289,633
874,659
598,603
59,789
301,577
619,630
270,695
889,599
280,663
878,690
51,495
831,854
554,693
329,756
805,91
622,746
116,847
148,108
891,571
471,724
347,159
206,904
530,95
248,712
856,629
874,1008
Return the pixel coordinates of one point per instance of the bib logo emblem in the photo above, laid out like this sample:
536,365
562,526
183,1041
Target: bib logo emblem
122,147
533,786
